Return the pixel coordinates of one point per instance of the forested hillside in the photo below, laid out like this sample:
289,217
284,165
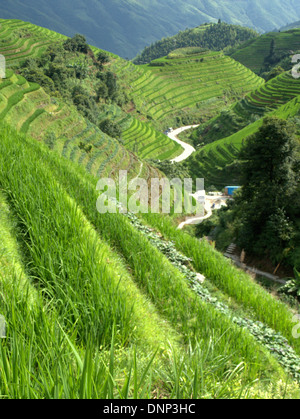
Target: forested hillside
215,37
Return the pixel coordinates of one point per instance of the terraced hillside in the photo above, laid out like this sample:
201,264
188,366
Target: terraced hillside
26,107
111,305
273,94
135,289
144,141
217,162
253,53
256,104
200,82
141,137
20,41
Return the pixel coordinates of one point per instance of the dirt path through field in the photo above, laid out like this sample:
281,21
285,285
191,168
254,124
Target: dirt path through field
188,149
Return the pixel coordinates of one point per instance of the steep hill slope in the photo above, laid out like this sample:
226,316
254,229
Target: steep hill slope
256,104
125,27
189,84
217,161
254,53
20,42
93,274
293,25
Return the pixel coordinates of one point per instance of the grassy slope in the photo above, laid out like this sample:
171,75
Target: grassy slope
153,274
86,303
253,53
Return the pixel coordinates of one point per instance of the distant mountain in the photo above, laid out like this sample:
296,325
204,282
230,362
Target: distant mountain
294,25
125,27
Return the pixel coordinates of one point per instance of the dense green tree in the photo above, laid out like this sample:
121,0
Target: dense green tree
108,86
77,44
273,73
102,58
110,128
36,75
81,69
270,177
102,91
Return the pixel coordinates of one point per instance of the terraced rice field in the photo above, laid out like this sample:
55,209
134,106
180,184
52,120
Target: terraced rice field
267,98
148,143
252,54
204,81
26,107
152,328
141,137
270,96
21,40
216,161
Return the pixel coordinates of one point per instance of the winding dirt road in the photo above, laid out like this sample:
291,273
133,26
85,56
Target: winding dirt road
188,149
209,201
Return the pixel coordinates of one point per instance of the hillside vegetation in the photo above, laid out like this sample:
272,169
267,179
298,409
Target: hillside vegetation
76,78
215,37
218,162
269,50
112,305
190,84
118,315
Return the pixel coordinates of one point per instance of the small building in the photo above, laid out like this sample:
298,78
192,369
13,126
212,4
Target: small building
230,190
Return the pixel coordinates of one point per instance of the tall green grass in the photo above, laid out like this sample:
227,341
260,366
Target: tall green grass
74,268
40,360
156,276
229,279
54,203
